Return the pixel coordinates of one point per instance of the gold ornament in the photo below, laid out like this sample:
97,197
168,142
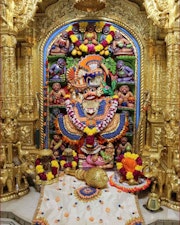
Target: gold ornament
94,177
90,6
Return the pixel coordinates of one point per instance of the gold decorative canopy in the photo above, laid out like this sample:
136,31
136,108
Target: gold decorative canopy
90,5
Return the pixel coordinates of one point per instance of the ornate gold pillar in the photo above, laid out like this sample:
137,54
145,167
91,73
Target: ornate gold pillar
8,66
171,114
166,15
173,68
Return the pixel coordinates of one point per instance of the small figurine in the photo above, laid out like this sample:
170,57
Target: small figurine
124,73
90,36
105,32
124,146
121,46
130,121
126,97
53,115
103,159
56,144
75,49
61,45
57,69
56,95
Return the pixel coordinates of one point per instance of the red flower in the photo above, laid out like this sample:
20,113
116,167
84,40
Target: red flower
91,49
139,161
122,171
78,43
69,164
104,43
120,157
54,170
70,32
42,176
112,33
37,162
136,174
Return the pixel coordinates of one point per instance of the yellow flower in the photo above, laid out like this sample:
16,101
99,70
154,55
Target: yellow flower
127,155
90,131
49,176
119,165
62,162
39,169
74,153
139,168
83,25
54,163
74,52
69,28
109,38
106,52
134,156
112,28
98,48
74,38
74,164
99,25
115,96
67,96
129,175
83,48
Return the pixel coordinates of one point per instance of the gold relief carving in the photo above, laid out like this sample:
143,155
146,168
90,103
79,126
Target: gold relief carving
25,135
9,124
24,12
8,41
53,18
164,13
172,38
171,127
6,16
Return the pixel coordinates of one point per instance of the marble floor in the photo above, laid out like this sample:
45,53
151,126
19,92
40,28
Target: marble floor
24,208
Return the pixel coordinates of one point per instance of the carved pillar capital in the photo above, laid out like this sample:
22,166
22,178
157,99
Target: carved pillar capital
26,49
8,40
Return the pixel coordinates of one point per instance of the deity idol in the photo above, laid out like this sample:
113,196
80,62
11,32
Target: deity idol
91,118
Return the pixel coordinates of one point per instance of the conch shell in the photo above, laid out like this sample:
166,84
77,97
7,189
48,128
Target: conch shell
94,177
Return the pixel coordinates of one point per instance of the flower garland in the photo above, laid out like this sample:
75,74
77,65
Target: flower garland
72,164
99,127
50,174
129,166
96,48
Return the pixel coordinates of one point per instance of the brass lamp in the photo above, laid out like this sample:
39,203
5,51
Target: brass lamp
90,5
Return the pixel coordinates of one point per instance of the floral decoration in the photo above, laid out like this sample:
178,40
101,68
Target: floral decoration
65,164
129,166
93,48
49,175
99,127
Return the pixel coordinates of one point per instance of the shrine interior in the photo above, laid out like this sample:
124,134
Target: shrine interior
89,112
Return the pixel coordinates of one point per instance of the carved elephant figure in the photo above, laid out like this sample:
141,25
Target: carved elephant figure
173,186
6,179
157,174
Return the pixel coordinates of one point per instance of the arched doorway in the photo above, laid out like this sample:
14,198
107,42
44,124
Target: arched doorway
90,54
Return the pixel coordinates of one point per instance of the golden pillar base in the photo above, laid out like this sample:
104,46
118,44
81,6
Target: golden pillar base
14,194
